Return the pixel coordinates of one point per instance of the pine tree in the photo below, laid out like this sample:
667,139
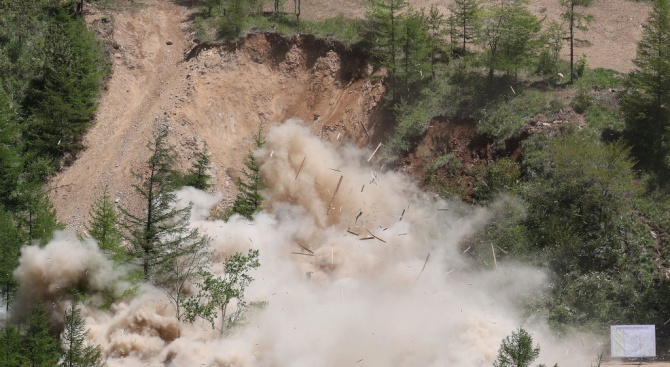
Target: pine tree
576,20
11,347
517,350
161,237
416,50
385,24
41,348
77,352
646,105
435,22
249,199
198,176
11,239
464,16
103,226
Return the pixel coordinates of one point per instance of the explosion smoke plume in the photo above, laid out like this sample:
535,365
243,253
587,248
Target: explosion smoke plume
363,298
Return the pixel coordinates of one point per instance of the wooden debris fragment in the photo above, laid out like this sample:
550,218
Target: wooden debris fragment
332,200
467,249
302,253
495,263
300,169
358,216
441,209
364,128
423,268
375,152
367,238
402,215
362,188
352,232
371,234
306,249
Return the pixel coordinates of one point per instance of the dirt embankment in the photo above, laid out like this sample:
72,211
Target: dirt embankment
218,95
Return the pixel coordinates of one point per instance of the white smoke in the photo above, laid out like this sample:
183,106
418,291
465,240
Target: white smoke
378,278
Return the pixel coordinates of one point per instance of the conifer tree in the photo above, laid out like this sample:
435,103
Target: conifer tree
103,226
416,50
161,236
198,176
249,199
41,347
576,20
435,21
646,104
77,352
11,239
464,16
385,22
11,347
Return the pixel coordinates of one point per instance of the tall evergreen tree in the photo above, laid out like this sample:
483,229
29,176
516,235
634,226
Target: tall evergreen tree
161,236
385,24
103,226
77,352
11,347
41,347
249,199
464,16
646,105
576,20
416,50
11,239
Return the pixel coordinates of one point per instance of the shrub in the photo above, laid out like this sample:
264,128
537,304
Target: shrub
582,101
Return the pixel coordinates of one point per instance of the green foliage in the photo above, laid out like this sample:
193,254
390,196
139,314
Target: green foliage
11,240
504,120
517,350
547,64
161,235
582,101
464,20
41,347
509,34
11,347
645,104
249,199
77,352
500,176
216,293
62,102
198,176
103,226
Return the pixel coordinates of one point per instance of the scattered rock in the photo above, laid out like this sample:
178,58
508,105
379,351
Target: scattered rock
169,42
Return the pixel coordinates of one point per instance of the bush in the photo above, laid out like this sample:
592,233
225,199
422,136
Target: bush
582,101
501,175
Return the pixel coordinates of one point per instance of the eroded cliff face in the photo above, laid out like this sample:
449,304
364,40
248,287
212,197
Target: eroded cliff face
216,94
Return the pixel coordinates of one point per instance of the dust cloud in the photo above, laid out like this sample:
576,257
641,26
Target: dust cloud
358,267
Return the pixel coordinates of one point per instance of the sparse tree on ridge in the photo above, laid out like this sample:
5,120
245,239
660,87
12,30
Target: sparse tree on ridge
576,20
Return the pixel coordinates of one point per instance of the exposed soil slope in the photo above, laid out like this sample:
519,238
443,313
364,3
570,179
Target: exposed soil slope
218,96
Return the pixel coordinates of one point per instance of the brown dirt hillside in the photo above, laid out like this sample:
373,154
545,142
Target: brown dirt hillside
220,97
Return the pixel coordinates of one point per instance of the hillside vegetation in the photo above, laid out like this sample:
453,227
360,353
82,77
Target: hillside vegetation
574,162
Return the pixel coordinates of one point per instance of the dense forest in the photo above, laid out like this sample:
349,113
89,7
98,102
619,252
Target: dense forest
588,203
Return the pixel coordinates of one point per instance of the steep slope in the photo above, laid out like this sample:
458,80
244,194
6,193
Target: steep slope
218,95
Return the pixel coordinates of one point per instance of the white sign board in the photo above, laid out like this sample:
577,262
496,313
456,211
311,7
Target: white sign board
633,341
